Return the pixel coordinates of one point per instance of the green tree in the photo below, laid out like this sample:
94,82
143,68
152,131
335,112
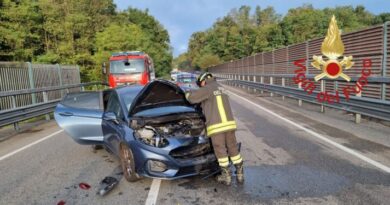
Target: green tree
381,18
241,33
182,63
303,23
208,60
20,28
131,37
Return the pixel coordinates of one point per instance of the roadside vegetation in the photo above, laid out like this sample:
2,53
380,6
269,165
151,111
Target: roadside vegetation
243,32
82,32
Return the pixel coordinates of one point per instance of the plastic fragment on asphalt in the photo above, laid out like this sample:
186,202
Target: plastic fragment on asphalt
107,184
84,186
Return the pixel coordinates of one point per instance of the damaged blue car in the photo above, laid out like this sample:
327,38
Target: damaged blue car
152,129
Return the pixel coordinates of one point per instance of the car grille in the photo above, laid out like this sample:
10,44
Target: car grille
191,151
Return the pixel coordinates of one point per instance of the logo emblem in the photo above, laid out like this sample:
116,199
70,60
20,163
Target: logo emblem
332,48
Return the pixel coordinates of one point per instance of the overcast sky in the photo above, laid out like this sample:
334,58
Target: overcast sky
183,17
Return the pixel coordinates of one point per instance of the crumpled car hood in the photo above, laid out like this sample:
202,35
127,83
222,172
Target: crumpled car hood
158,93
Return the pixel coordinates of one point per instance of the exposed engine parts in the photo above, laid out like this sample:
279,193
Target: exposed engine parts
156,134
183,128
150,136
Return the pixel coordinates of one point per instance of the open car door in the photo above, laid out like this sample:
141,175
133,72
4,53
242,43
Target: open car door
80,115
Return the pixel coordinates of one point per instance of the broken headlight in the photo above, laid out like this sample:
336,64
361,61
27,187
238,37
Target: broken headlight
149,136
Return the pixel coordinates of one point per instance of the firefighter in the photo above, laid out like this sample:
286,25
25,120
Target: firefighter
220,124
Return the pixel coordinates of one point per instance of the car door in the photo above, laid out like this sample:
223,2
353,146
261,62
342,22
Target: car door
114,130
80,115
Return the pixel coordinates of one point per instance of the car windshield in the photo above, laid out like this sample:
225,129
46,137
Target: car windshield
127,66
128,97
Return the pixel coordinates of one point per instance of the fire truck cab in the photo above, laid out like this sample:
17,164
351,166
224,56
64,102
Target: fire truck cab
130,67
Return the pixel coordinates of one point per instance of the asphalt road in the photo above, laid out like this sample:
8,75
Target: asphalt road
285,164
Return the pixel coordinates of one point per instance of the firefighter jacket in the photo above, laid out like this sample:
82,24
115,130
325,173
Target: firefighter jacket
215,105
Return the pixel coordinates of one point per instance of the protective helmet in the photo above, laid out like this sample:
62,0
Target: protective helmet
203,77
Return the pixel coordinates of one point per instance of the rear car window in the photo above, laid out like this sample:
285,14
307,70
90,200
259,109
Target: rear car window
85,100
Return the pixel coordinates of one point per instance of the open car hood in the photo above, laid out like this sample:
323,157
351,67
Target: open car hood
158,93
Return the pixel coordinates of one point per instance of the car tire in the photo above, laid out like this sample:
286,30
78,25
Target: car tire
128,164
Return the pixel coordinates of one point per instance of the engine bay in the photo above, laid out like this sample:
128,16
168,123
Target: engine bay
155,132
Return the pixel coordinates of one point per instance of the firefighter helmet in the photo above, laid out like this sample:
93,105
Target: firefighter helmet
203,77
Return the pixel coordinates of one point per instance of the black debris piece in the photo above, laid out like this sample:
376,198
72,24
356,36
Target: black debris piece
107,184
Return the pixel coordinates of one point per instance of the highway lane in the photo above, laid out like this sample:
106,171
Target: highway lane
284,164
51,171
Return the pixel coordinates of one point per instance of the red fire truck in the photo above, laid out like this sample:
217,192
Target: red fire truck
128,68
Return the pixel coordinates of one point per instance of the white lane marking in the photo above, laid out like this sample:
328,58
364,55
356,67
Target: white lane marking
343,148
29,145
153,192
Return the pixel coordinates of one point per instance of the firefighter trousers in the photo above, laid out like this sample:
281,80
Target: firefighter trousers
225,146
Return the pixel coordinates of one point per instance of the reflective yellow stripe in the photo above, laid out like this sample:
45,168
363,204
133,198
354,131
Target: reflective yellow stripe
238,161
235,157
221,109
224,164
219,125
222,129
211,129
225,159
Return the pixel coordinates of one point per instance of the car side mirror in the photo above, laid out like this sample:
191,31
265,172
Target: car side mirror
110,116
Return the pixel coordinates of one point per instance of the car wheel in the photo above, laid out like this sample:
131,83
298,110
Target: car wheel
128,165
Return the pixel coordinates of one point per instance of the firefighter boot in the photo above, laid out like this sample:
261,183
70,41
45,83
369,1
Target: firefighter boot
240,172
225,177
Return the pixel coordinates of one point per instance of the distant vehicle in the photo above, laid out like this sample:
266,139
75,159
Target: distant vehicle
130,67
153,129
186,80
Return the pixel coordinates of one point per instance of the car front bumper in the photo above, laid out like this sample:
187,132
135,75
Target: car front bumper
159,163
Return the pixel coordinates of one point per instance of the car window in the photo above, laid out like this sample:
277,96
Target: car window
84,100
114,106
128,66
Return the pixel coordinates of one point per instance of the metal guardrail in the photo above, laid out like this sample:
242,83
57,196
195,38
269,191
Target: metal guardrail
17,114
365,106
